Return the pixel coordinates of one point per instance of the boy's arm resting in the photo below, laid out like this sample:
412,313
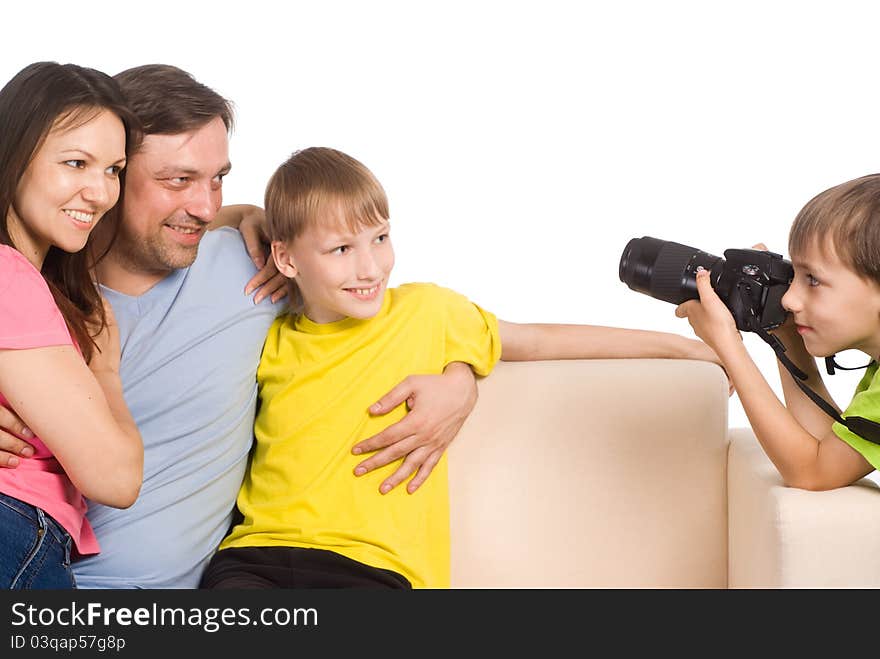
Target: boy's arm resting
438,406
12,449
532,342
804,460
250,221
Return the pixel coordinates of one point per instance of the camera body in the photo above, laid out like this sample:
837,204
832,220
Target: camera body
750,282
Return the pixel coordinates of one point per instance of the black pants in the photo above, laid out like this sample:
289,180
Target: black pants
293,567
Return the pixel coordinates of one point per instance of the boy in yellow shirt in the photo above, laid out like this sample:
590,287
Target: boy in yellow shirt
306,521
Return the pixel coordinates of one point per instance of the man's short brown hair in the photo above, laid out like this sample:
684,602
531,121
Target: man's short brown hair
169,101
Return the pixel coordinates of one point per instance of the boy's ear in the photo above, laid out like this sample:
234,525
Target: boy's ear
283,259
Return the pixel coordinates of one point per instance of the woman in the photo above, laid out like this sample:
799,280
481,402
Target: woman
65,130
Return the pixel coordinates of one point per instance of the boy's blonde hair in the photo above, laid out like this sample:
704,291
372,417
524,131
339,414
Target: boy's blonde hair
319,184
849,215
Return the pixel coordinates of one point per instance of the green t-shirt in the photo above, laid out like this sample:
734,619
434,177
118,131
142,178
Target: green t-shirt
866,404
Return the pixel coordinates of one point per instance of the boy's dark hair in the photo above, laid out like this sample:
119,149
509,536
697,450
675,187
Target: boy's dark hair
849,215
41,97
169,101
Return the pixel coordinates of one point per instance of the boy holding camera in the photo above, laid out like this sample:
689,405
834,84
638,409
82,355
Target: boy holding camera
834,305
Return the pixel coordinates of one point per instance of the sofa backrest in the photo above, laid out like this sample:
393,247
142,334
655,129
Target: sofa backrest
592,474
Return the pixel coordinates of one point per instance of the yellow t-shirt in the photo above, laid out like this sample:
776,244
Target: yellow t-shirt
317,382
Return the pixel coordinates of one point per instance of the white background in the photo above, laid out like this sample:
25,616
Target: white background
522,144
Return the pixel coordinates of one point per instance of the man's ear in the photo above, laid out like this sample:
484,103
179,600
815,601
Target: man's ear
283,259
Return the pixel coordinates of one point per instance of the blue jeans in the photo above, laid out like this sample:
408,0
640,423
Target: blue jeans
34,549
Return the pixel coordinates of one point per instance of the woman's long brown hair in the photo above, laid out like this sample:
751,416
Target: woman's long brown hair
30,104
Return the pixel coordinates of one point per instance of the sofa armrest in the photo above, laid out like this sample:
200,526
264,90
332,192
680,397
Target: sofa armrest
783,537
592,473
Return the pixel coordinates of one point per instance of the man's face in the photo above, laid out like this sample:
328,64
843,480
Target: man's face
834,308
173,190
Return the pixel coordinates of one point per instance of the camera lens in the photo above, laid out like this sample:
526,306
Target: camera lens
663,269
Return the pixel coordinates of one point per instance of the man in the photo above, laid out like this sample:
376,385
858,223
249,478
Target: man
191,341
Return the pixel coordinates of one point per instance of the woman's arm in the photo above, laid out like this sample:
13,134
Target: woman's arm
79,414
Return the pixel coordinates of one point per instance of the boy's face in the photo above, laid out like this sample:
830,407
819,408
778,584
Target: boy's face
341,274
834,308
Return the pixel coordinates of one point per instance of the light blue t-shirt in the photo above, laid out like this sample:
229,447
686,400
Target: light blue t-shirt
190,350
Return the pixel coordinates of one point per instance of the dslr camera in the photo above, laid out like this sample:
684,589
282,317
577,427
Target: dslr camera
750,282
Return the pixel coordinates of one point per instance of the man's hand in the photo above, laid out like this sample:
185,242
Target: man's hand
11,447
438,406
268,280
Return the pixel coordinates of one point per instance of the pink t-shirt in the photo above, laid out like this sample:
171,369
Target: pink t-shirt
29,318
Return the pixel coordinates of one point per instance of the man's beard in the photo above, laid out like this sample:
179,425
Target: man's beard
153,254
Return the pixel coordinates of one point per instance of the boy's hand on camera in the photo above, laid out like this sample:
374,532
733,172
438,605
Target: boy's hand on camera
438,406
710,319
12,449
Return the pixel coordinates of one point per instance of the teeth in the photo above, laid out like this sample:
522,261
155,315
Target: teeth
185,230
79,216
365,291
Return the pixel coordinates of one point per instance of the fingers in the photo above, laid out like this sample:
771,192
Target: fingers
265,274
10,423
386,456
8,460
704,285
390,436
12,449
681,311
760,246
393,398
253,244
421,461
424,471
275,288
414,461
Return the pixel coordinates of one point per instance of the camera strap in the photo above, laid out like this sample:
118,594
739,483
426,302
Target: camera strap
864,428
830,365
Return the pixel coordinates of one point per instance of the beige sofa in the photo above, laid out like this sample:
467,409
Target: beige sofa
624,474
